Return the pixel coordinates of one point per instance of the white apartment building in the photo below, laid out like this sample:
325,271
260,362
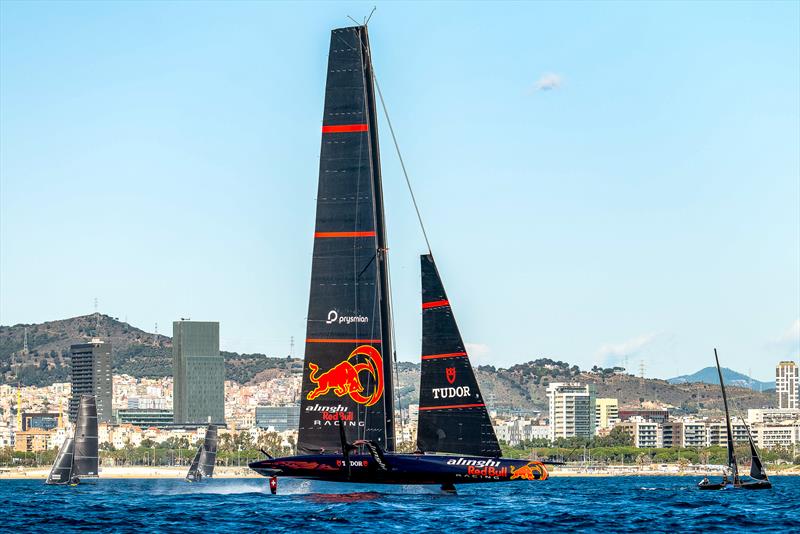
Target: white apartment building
695,433
646,434
572,410
786,384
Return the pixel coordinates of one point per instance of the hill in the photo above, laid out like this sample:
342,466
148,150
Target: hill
709,376
134,351
521,387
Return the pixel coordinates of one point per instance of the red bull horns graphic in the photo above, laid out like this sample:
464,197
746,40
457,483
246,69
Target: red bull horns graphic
532,471
343,378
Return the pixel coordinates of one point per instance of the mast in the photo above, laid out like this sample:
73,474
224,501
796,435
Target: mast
347,379
384,295
731,452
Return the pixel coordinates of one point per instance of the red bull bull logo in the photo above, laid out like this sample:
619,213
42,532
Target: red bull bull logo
344,377
532,471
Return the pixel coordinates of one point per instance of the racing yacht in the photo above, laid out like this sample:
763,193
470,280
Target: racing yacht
347,411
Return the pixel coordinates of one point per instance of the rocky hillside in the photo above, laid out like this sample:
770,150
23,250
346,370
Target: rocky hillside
521,387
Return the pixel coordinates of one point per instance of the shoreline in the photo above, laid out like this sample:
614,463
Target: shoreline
167,472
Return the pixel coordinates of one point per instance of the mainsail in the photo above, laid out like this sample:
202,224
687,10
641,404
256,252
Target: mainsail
62,467
208,454
452,413
85,461
206,457
347,377
731,452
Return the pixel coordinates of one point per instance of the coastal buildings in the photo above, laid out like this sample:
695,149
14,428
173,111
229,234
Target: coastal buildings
155,418
572,410
521,430
278,418
43,421
606,414
786,385
199,373
91,375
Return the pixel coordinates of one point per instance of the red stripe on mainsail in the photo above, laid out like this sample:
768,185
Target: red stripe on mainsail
435,304
448,355
451,407
343,128
344,234
317,340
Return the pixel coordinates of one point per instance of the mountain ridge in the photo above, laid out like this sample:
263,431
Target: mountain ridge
708,375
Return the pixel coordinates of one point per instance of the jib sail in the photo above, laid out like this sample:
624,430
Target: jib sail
85,461
452,413
757,470
347,375
62,467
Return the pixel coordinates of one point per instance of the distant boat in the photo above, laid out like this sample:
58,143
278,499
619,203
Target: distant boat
206,457
758,474
78,456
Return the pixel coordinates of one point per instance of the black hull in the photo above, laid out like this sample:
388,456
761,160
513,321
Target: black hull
756,485
402,469
762,484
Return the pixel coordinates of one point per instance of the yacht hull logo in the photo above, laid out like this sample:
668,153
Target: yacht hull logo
531,471
344,378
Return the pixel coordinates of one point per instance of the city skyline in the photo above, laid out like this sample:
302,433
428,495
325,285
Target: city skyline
621,201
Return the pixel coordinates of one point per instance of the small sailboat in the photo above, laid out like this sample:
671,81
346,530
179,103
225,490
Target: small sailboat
758,474
78,457
206,457
348,378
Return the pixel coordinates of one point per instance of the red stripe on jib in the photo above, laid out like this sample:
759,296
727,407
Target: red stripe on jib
448,355
344,234
344,128
451,407
435,304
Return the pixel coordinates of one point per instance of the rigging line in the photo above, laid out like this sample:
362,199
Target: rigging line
400,157
394,357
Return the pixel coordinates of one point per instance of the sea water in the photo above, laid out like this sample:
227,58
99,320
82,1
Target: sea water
626,504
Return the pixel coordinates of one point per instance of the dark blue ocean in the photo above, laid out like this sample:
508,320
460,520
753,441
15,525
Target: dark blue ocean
631,504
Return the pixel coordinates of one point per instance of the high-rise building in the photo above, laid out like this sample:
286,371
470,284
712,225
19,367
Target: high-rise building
606,412
199,373
786,384
91,375
572,410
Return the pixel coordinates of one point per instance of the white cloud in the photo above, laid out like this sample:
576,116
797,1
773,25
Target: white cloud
612,353
789,342
479,353
548,81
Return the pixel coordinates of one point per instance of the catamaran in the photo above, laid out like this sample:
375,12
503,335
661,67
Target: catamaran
77,458
758,474
206,457
348,379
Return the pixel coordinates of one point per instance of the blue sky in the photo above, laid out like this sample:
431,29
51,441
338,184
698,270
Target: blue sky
598,180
